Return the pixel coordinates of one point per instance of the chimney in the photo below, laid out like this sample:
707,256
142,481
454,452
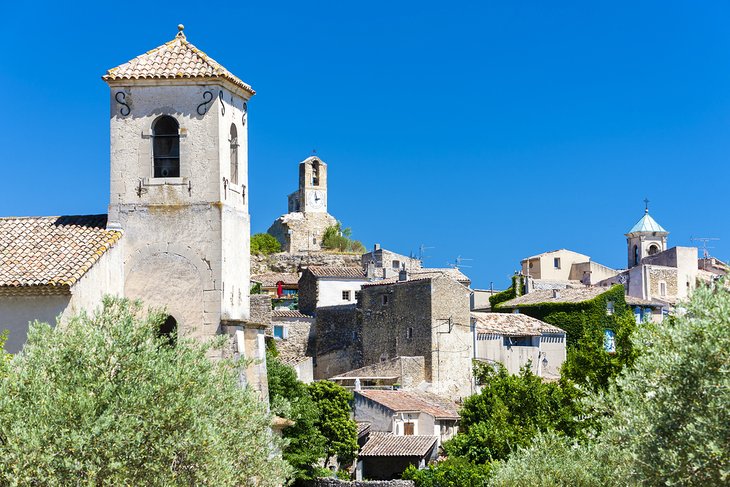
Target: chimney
403,274
376,247
556,294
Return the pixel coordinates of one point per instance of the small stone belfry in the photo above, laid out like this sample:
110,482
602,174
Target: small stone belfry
302,228
179,176
645,238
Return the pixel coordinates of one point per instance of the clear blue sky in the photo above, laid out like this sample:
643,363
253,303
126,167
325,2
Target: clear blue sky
488,130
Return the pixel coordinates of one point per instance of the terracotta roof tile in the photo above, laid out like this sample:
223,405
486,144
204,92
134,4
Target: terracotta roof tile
563,296
51,250
400,400
176,59
289,313
512,324
389,445
349,272
272,278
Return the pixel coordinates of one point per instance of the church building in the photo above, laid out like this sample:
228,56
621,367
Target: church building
178,228
303,227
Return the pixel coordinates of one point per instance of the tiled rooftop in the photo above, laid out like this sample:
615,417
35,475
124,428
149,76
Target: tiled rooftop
348,272
563,296
389,445
176,59
512,324
289,313
271,279
400,400
423,274
51,250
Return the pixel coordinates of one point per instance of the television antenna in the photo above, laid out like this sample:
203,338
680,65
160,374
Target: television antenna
422,252
704,241
458,262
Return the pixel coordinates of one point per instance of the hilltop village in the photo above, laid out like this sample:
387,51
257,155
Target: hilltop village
404,338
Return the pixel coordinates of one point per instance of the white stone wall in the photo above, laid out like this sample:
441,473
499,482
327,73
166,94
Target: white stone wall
329,292
104,277
16,313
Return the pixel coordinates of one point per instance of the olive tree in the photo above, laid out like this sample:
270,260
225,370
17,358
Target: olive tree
105,400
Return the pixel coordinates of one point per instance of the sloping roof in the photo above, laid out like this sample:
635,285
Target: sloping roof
348,272
51,250
176,59
363,428
389,445
272,278
289,313
647,224
512,324
552,252
401,401
634,301
563,296
424,274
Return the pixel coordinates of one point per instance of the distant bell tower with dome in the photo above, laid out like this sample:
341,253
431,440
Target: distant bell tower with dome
645,238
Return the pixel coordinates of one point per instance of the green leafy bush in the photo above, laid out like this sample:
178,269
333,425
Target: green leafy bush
509,412
452,472
264,244
334,422
339,239
102,400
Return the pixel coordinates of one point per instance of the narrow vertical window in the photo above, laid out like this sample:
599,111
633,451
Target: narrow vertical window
636,255
234,154
315,174
166,147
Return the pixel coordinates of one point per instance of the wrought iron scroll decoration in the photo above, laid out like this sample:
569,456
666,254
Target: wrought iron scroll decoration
223,105
123,103
245,112
207,98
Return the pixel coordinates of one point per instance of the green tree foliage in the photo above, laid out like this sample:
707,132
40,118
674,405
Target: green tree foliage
4,356
511,410
452,472
333,402
585,322
666,420
102,400
264,244
339,239
290,399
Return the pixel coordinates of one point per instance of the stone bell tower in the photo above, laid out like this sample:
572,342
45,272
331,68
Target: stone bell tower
645,238
179,186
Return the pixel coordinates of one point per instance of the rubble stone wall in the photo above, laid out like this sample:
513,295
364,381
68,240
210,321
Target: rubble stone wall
285,262
339,346
330,482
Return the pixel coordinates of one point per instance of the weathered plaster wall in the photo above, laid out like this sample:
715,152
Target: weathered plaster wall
104,277
16,312
329,291
307,231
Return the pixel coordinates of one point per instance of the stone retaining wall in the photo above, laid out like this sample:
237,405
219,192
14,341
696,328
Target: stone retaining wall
329,482
285,262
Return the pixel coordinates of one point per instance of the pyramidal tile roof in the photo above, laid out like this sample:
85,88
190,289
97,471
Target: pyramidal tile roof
176,59
647,224
51,250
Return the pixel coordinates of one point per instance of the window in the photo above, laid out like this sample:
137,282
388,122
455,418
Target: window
166,147
662,288
609,341
315,174
384,297
653,249
556,262
396,264
636,255
234,154
345,295
409,429
279,333
517,341
637,314
609,308
409,333
646,317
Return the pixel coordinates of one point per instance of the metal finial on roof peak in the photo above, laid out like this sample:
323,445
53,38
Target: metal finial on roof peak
180,29
646,205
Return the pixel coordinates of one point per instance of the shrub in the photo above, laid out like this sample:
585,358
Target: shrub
337,238
452,472
264,244
102,400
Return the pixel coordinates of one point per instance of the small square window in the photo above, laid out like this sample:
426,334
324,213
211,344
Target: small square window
384,297
345,295
409,333
556,262
396,264
279,332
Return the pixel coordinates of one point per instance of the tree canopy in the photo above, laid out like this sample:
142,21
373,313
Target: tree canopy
337,238
263,243
104,400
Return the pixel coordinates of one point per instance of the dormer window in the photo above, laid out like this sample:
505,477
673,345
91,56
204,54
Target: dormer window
234,154
166,147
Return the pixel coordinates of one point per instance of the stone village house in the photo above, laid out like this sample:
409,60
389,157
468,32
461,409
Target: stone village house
177,232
